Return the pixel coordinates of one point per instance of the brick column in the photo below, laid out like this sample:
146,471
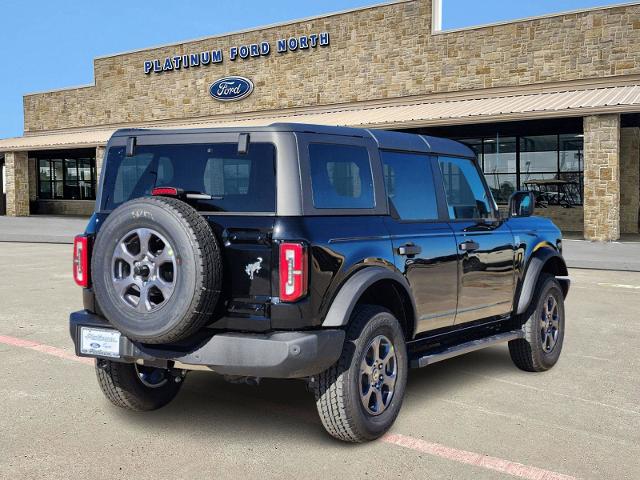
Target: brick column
17,171
33,179
100,151
629,179
602,177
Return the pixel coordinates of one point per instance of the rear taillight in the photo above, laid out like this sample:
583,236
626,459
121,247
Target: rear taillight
293,271
81,260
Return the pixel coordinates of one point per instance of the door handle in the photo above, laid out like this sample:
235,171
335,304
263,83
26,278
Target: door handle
469,246
409,249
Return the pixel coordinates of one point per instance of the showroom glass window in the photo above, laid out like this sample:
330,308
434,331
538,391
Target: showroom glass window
550,165
66,177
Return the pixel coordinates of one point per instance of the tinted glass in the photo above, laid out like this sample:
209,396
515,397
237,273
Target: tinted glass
500,155
538,154
341,176
236,183
466,194
502,185
409,184
571,152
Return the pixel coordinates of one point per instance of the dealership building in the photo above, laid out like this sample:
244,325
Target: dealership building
550,104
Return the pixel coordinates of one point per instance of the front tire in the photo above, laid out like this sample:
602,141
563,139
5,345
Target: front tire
359,397
136,388
543,327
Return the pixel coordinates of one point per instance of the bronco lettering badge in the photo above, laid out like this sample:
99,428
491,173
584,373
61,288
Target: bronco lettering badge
229,89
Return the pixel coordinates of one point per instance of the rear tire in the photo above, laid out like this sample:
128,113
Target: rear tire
543,328
351,408
122,385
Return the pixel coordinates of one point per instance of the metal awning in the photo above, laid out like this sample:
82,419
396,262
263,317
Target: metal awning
577,102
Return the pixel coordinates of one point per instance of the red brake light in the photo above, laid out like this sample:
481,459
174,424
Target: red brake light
164,191
81,260
293,271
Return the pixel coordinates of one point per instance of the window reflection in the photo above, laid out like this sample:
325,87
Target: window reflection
550,165
66,178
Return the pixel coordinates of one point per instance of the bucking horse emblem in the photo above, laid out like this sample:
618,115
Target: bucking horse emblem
253,268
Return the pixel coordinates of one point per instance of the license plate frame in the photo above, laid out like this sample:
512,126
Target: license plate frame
100,342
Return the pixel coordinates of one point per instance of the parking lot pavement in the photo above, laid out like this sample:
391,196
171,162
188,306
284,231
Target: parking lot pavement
472,417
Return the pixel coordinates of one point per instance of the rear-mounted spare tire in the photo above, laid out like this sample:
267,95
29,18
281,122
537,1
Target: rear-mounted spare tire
157,270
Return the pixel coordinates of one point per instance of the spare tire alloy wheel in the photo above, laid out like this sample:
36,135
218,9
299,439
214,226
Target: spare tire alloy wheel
144,269
156,270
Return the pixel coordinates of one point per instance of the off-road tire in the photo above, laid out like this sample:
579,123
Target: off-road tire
120,384
198,282
337,388
528,353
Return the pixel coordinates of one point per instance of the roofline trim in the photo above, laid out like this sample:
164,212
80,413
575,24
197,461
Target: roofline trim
61,89
400,125
535,17
258,28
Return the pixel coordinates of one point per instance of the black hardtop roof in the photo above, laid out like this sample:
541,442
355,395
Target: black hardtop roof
386,139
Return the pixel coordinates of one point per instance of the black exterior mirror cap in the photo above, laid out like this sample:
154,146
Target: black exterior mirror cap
522,204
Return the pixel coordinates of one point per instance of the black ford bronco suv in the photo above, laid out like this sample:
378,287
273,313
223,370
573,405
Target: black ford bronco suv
340,256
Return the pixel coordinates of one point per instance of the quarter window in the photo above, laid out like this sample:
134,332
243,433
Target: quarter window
341,176
409,183
466,195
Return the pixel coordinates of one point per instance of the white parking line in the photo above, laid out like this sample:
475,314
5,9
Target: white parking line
619,285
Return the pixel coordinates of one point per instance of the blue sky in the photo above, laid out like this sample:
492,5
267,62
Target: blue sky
48,44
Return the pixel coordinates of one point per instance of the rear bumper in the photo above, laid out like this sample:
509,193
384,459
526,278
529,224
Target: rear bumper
269,355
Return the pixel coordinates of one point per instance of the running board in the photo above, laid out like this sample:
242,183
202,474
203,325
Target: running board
464,348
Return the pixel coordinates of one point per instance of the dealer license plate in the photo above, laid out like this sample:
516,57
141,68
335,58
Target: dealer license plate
99,342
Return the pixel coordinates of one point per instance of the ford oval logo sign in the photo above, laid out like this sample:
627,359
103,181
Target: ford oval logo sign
230,89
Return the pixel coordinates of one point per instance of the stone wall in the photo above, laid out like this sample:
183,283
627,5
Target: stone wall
567,219
375,53
602,177
100,151
629,179
33,179
17,173
81,208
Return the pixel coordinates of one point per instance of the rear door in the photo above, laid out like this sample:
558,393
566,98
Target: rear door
485,243
424,245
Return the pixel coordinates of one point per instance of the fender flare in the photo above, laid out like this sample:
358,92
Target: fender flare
538,260
345,301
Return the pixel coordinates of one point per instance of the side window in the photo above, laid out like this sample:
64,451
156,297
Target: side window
467,197
409,184
341,176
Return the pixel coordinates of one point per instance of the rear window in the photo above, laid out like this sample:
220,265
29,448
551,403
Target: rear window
236,182
341,176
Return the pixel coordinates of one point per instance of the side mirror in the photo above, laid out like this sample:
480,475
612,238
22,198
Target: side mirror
521,204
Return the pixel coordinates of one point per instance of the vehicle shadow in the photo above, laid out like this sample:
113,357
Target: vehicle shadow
208,406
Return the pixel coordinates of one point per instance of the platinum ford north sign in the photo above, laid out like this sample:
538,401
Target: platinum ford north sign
229,89
243,52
